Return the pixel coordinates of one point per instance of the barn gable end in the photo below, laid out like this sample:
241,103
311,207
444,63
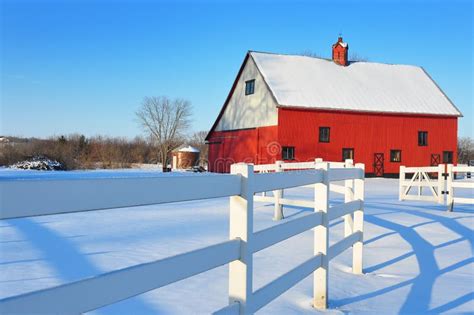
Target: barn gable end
243,111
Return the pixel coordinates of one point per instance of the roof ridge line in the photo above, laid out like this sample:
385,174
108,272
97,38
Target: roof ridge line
329,59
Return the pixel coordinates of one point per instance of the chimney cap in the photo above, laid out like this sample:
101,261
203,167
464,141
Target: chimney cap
340,42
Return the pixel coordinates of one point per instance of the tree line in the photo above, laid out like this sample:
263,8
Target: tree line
79,152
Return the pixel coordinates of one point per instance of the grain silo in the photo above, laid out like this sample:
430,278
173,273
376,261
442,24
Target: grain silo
185,157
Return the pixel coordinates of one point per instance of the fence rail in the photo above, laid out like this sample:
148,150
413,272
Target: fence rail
451,199
439,187
77,195
66,196
92,293
339,171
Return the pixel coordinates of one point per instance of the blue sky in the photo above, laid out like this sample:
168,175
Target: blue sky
85,66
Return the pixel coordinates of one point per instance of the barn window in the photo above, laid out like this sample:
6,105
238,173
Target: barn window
249,87
347,153
448,157
288,153
395,155
423,138
324,134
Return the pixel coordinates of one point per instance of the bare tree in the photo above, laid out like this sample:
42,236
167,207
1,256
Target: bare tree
165,120
310,53
355,57
465,150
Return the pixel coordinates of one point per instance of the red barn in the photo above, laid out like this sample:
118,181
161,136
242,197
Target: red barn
298,108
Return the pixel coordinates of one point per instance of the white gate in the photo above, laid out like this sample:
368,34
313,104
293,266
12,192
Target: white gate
420,179
436,187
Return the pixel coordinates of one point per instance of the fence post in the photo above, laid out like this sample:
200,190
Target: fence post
348,196
241,226
358,222
420,189
321,239
278,194
449,187
441,183
401,183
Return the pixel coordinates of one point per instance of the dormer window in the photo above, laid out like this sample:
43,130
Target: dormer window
249,87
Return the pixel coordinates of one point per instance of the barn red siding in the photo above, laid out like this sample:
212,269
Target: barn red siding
367,134
246,145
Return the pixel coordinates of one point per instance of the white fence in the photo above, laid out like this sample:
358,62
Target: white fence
66,196
438,187
278,195
451,184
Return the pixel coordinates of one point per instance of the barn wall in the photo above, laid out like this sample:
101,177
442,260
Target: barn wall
367,134
247,145
249,111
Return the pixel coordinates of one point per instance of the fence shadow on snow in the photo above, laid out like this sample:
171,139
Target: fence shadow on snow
71,264
421,286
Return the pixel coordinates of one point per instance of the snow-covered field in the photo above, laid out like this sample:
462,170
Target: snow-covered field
417,257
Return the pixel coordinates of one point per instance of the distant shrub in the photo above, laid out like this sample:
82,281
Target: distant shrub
40,163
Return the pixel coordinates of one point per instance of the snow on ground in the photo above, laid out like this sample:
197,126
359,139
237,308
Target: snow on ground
145,170
418,258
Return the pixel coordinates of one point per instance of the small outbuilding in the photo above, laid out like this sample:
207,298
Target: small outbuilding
185,157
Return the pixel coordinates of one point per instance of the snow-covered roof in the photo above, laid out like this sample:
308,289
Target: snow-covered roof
361,86
186,148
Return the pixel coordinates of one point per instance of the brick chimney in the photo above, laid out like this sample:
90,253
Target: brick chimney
340,52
